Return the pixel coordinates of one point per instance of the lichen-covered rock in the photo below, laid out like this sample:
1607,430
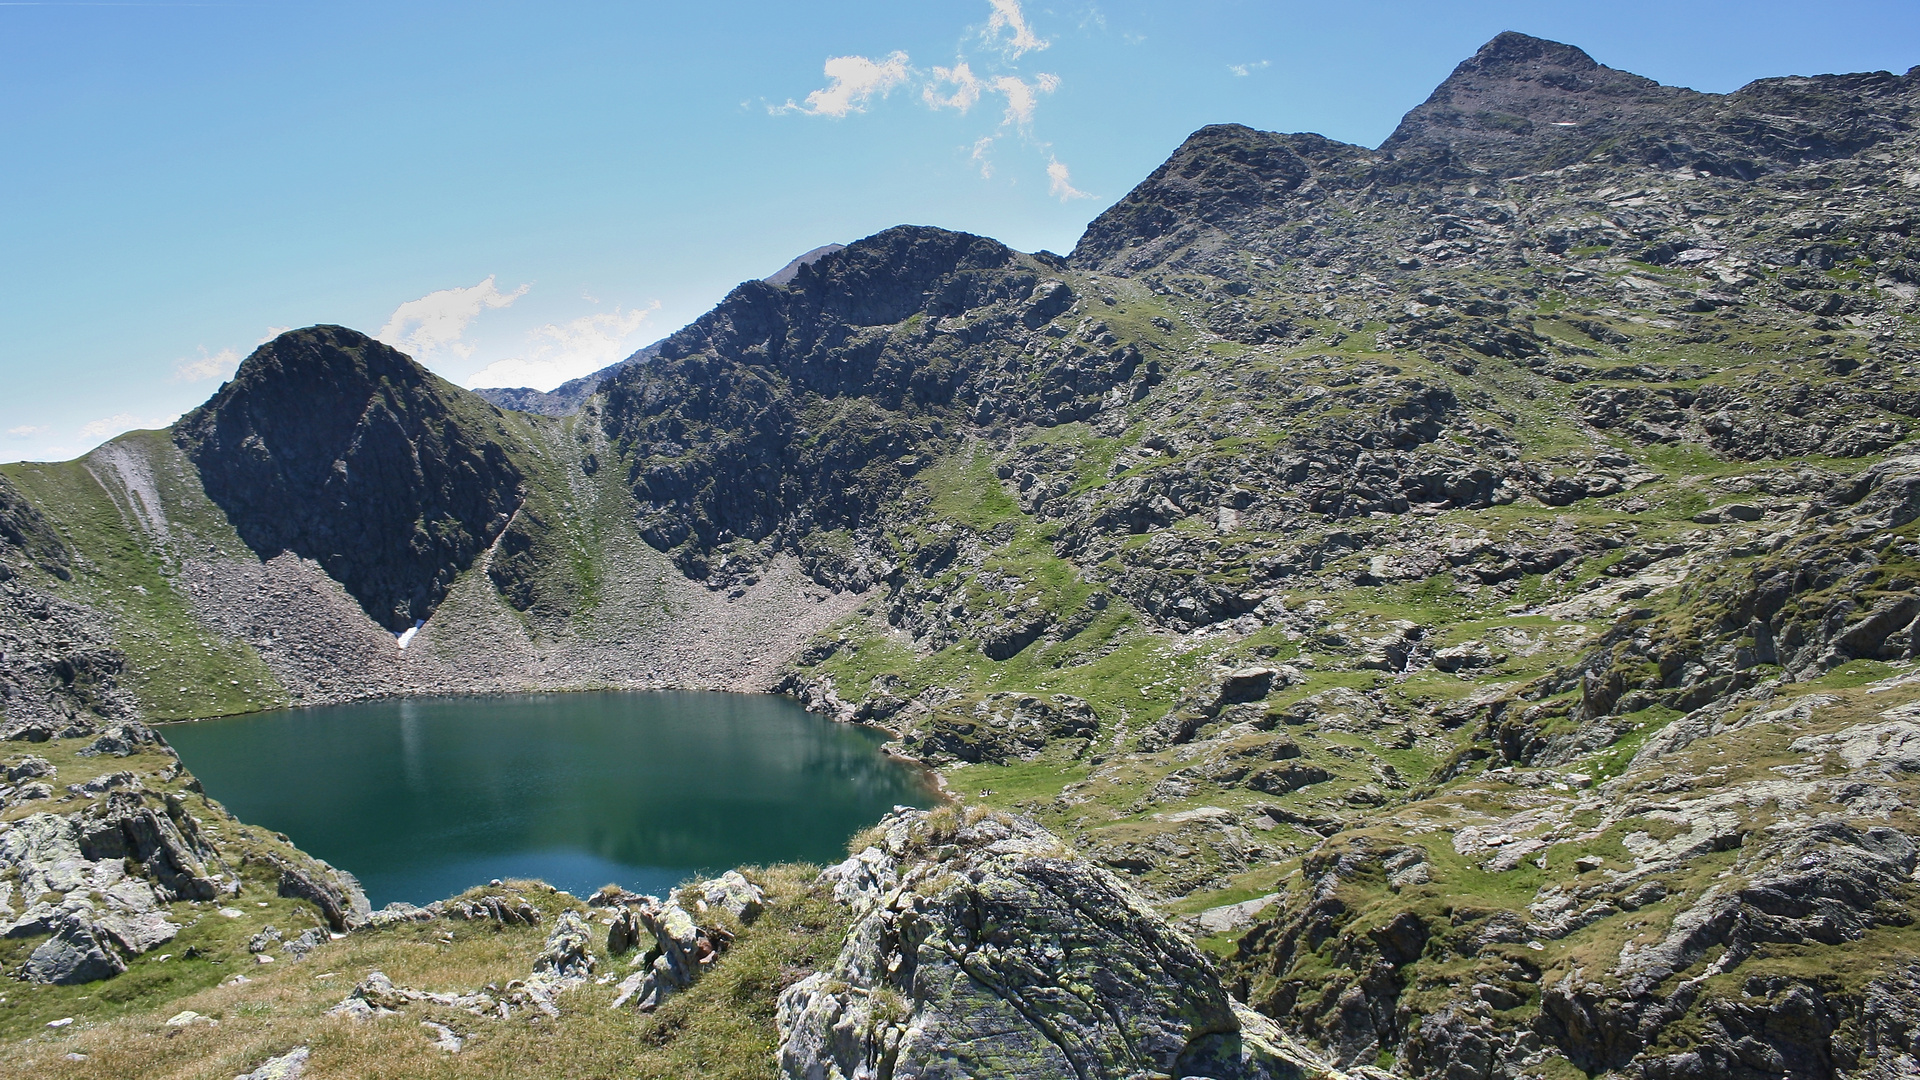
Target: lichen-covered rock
78,951
997,953
121,740
565,961
682,950
335,892
732,893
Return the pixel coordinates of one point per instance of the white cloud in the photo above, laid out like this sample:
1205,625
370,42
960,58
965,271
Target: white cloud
1009,21
273,332
1059,183
436,322
26,431
568,351
219,365
854,79
966,88
112,425
1244,70
1023,96
108,427
981,146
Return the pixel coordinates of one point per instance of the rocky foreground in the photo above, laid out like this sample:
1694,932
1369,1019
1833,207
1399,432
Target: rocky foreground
1448,609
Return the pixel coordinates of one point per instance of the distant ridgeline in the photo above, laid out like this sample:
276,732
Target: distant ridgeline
1469,585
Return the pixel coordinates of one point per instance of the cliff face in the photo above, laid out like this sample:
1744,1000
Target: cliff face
1469,583
337,448
789,412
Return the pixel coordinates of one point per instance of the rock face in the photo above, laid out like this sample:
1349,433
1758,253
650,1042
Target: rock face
685,940
981,948
109,880
335,892
831,388
335,447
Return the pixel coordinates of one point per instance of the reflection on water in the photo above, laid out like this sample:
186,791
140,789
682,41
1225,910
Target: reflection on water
423,797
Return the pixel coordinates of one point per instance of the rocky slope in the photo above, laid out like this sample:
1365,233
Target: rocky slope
1467,585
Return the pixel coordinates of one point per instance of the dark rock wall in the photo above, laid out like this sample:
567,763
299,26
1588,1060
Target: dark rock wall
340,449
797,410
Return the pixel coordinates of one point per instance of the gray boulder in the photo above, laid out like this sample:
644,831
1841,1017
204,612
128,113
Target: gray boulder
288,1066
986,949
335,892
78,951
735,895
29,768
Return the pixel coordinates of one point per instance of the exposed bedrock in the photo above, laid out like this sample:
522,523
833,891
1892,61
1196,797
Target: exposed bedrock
339,449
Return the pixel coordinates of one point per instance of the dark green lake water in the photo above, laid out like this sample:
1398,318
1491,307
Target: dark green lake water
423,797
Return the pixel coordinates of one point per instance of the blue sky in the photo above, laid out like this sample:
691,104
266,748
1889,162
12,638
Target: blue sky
519,192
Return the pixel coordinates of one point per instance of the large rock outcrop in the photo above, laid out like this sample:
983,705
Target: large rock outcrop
981,947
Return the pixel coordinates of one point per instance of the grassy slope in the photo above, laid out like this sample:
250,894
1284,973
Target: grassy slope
723,1027
176,666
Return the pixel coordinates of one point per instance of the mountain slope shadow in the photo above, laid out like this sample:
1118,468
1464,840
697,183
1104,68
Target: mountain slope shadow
340,449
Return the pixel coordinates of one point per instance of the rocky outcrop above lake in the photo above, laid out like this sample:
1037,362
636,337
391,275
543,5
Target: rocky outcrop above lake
981,946
112,869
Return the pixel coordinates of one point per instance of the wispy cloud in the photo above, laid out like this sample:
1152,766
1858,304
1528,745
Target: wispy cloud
966,88
436,322
563,351
26,431
1060,184
218,365
108,427
852,80
1007,27
1244,70
1022,96
981,147
112,425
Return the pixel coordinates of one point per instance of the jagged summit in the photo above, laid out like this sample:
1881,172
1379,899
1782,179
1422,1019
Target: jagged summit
341,449
1521,106
1522,101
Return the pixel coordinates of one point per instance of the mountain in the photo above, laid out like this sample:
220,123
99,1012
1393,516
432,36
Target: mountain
1466,585
564,399
570,395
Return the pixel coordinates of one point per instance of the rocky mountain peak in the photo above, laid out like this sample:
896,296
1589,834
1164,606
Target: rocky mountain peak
1523,57
1223,178
339,448
1523,103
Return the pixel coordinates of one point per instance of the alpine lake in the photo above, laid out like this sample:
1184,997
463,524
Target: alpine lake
421,798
